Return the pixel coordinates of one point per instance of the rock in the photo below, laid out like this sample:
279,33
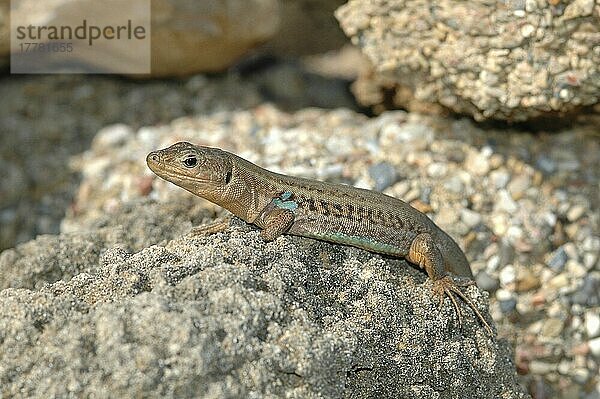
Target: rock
486,282
518,186
186,37
306,27
594,345
384,175
552,327
502,63
508,274
575,212
527,280
592,324
506,300
477,163
228,306
588,294
504,202
541,368
4,28
557,260
470,218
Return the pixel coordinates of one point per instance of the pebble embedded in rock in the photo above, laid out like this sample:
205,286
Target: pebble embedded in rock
487,282
383,174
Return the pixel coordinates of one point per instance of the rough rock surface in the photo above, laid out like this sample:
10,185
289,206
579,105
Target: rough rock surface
513,60
230,316
523,206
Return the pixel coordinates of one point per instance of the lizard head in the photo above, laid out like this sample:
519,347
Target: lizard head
204,171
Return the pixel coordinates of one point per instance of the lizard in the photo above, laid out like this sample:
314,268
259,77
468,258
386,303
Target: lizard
337,213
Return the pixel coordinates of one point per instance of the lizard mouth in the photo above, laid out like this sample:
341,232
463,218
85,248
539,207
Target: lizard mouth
169,173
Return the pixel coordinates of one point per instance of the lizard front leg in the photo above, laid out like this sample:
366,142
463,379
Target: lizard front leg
427,255
276,221
216,226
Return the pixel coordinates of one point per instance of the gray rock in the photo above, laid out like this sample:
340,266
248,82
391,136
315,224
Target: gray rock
477,58
210,35
229,315
384,175
558,259
588,294
137,225
487,282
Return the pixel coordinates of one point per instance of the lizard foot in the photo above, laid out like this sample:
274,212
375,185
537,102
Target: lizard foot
447,286
214,227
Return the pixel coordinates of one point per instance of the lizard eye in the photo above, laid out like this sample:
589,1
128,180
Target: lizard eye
190,162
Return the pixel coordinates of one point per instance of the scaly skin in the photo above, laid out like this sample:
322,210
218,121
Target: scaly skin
342,214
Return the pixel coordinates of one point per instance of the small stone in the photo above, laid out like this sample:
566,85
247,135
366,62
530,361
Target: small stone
112,136
499,224
437,169
588,293
594,345
454,184
506,252
575,212
527,30
557,259
579,8
527,280
506,300
470,218
507,275
589,260
564,367
412,195
560,281
486,282
547,165
477,163
571,250
517,186
581,375
537,367
552,327
504,202
592,324
575,269
384,175
446,216
493,262
499,178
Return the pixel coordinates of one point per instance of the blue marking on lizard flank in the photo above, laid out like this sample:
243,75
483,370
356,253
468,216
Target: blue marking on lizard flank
286,195
283,203
291,205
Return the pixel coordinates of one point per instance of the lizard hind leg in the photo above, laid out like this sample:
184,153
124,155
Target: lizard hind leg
426,254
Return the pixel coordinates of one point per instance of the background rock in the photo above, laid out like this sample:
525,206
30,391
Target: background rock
190,36
513,61
307,27
4,29
186,36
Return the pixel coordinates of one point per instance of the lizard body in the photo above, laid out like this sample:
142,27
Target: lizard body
280,204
